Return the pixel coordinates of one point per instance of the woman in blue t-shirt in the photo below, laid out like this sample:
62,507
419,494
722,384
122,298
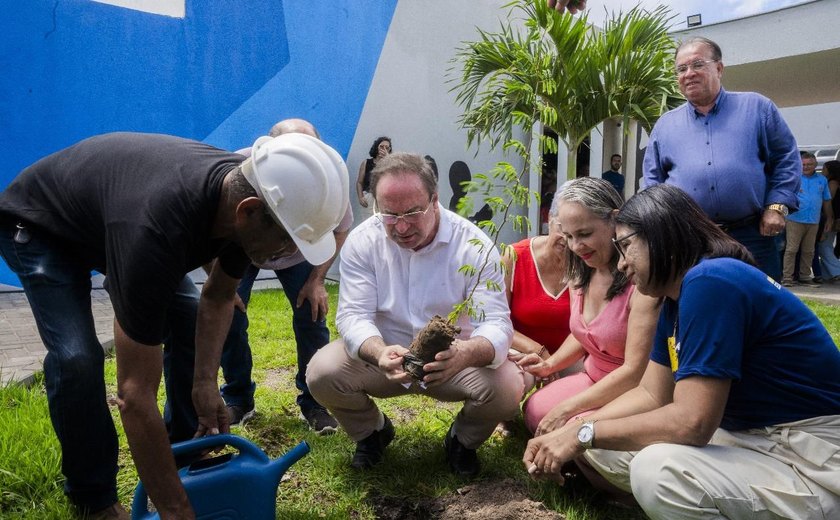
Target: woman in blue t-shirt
738,412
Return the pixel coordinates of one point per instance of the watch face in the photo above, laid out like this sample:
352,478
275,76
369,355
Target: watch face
585,434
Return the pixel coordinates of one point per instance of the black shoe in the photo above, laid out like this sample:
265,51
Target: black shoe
320,420
369,450
462,460
239,414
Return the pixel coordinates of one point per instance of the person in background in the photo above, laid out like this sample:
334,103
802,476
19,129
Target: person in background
536,276
380,148
738,412
825,247
611,323
573,6
731,151
303,285
613,175
803,225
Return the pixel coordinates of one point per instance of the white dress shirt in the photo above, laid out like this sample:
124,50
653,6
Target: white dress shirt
392,292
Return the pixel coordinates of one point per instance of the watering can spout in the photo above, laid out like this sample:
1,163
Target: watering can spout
278,468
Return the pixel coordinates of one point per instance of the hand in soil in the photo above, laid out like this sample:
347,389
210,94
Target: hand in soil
391,363
445,366
545,455
435,337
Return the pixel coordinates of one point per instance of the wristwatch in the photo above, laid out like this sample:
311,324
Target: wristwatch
781,208
586,434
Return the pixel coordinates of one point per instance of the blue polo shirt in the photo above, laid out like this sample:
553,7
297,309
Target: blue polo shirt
733,162
733,322
812,192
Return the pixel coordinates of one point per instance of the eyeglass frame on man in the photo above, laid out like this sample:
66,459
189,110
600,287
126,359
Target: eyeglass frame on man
617,243
411,217
696,66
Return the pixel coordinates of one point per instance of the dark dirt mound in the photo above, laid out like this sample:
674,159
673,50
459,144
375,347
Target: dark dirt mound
503,500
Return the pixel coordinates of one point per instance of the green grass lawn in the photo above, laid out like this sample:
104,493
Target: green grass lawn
321,485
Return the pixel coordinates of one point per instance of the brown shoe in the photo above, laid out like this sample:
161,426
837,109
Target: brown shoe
114,511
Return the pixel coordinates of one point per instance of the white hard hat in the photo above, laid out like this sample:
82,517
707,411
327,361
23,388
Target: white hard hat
305,185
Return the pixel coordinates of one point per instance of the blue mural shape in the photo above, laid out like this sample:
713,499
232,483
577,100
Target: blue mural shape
223,74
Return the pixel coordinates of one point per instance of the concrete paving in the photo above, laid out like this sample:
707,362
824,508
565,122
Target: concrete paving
22,352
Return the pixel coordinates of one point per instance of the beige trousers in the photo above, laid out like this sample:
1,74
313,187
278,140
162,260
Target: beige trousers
345,386
784,471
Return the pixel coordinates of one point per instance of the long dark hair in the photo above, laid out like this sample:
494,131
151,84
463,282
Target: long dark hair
599,197
831,169
677,232
374,150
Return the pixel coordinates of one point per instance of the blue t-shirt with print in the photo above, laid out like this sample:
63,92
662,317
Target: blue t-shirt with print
812,192
736,323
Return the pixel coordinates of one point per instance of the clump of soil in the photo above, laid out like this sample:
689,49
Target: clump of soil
502,500
435,337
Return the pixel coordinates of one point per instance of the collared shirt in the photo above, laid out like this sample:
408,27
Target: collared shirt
733,162
392,292
812,193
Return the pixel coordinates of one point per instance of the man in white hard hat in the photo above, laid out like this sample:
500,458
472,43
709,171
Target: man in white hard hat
303,284
145,209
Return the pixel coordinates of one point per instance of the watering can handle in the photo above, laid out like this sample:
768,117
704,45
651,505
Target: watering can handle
214,441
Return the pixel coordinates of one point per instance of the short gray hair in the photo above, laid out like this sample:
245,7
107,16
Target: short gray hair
404,162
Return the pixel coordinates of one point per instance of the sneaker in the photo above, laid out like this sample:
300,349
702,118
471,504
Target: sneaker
818,279
114,511
808,283
462,460
787,283
239,414
369,450
320,420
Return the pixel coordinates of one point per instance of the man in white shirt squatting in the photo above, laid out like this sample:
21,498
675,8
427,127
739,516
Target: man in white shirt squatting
398,269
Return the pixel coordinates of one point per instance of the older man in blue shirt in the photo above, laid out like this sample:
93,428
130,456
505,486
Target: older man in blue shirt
730,151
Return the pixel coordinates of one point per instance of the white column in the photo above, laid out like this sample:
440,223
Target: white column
535,179
596,151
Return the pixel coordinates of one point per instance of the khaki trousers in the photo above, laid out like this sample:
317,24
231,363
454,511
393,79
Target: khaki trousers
784,471
345,386
798,237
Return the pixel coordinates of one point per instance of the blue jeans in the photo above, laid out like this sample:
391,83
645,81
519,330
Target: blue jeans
179,363
762,248
309,336
830,263
58,288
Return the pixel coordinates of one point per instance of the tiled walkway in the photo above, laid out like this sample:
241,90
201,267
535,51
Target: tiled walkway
22,353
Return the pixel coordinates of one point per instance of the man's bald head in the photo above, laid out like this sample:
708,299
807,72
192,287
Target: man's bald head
294,126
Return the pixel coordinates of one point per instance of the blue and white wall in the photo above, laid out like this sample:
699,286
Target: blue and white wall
224,71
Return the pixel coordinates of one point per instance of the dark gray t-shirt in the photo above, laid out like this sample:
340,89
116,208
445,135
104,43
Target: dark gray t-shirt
137,207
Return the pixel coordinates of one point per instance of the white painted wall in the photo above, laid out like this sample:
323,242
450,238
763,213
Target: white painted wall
814,124
174,8
409,98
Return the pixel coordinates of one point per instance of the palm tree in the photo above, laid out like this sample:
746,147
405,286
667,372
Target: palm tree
568,72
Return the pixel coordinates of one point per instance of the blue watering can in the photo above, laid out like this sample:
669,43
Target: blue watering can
231,486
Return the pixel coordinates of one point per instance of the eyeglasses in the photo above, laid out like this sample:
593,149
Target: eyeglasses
618,241
696,66
412,217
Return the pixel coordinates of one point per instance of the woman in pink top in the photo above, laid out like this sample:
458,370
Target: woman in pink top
611,324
